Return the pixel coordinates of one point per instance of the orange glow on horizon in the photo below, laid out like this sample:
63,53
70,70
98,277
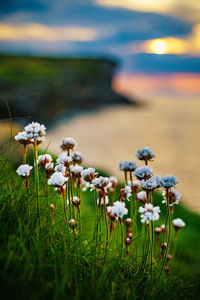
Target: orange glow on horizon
143,84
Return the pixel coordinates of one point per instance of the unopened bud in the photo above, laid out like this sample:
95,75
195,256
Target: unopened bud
128,241
169,257
76,201
52,207
128,222
163,246
72,223
130,235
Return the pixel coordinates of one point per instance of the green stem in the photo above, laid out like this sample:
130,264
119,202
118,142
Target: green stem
37,181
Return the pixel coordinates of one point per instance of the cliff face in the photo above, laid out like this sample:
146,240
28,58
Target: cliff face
46,88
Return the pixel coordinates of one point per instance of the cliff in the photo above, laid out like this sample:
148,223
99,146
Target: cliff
49,88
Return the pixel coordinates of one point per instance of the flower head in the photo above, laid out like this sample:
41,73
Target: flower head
168,181
76,201
72,223
142,197
119,209
125,193
35,131
43,159
149,213
151,184
57,179
60,168
24,171
68,144
77,158
64,159
173,195
49,167
89,174
143,172
99,183
178,223
145,154
127,165
76,170
22,138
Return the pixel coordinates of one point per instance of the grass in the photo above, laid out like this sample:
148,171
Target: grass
53,264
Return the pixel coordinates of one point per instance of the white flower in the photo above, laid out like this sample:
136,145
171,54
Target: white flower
35,130
125,193
151,183
127,165
178,223
67,144
143,172
142,196
76,170
57,179
49,166
77,157
168,181
64,159
102,201
22,138
145,154
108,187
99,183
43,159
114,181
149,213
24,170
119,209
174,196
89,174
60,168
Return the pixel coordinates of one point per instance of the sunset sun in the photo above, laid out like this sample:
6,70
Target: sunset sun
158,46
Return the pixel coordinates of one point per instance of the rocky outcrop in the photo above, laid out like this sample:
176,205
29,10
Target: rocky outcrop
49,88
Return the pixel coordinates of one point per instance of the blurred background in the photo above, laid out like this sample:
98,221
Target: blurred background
115,75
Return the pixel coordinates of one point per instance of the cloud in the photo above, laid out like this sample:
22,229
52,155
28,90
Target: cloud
188,10
40,32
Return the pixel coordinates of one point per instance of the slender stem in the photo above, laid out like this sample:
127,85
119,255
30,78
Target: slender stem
168,218
25,153
122,237
37,181
106,222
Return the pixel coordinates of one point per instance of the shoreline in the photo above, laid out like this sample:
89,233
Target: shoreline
112,134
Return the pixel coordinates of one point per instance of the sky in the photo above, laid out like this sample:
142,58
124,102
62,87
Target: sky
148,38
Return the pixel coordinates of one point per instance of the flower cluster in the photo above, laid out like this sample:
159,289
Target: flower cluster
145,154
119,209
127,165
149,213
24,170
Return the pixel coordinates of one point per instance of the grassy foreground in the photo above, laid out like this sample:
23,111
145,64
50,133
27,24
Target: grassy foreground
51,263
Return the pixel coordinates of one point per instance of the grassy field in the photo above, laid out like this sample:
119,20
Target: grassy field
51,263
